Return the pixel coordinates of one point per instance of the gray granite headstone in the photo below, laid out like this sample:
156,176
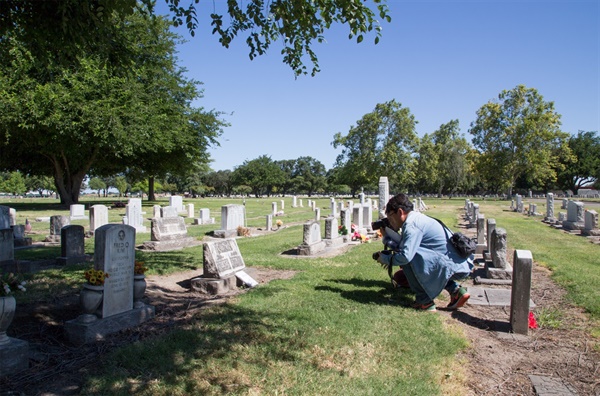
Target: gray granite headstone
7,247
114,253
222,258
4,217
13,216
499,248
384,195
72,245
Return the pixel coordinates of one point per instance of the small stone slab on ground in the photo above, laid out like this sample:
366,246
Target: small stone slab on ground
491,297
548,386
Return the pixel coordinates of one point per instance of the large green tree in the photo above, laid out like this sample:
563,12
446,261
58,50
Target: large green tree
382,142
518,134
585,170
309,175
68,121
58,29
262,175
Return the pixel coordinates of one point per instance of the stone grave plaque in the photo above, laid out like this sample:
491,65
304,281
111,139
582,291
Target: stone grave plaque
222,258
232,216
169,211
166,228
115,255
72,241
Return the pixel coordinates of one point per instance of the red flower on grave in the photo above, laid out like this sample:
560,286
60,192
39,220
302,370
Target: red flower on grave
532,322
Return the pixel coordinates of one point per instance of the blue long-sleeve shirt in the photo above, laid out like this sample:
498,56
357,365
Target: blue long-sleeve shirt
425,246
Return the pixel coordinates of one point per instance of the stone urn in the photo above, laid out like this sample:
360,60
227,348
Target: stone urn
139,289
8,306
90,299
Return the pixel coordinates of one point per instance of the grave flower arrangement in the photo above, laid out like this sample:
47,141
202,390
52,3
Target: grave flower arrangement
342,230
95,277
279,223
10,283
139,268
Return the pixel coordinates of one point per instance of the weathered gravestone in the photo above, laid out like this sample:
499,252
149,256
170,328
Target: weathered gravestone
190,210
384,195
232,217
575,216
591,224
56,224
133,215
168,211
521,292
332,237
169,233
550,209
223,264
12,216
98,217
177,202
19,235
490,227
481,243
114,253
269,225
72,245
499,267
7,248
4,217
312,242
204,217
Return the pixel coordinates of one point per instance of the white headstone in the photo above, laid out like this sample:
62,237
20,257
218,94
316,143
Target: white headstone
77,212
384,195
114,253
177,202
98,217
233,216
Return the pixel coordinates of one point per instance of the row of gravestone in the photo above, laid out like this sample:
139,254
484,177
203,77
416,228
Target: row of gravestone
492,246
117,304
577,219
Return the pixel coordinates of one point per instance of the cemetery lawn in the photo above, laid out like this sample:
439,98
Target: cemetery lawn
321,326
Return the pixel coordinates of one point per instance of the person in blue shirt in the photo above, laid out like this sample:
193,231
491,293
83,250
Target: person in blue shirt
426,256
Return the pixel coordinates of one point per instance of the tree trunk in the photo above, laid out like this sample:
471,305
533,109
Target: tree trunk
151,196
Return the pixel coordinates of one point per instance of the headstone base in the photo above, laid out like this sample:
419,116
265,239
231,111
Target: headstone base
200,221
23,242
498,273
171,244
571,225
594,232
334,242
78,217
14,356
225,234
79,332
213,286
72,260
309,250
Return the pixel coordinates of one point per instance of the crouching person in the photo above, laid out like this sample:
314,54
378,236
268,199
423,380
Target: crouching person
428,260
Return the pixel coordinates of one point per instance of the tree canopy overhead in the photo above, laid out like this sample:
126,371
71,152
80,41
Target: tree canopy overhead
60,28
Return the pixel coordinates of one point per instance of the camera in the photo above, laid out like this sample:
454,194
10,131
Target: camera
379,224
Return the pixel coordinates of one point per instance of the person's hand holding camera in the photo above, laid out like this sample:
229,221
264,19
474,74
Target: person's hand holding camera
384,258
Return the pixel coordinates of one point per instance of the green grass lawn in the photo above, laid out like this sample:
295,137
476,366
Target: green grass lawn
329,330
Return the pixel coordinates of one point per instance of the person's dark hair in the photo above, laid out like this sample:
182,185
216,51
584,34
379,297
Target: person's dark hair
399,201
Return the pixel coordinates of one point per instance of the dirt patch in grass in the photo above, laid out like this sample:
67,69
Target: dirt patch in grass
496,363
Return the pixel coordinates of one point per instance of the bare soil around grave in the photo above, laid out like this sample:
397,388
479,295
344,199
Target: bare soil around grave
496,363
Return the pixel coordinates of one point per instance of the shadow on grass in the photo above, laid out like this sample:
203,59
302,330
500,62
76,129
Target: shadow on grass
367,293
483,324
229,335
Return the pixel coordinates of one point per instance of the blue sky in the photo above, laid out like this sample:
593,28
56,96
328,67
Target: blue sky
441,59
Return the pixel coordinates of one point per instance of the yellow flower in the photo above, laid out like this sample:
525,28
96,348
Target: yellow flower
95,277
